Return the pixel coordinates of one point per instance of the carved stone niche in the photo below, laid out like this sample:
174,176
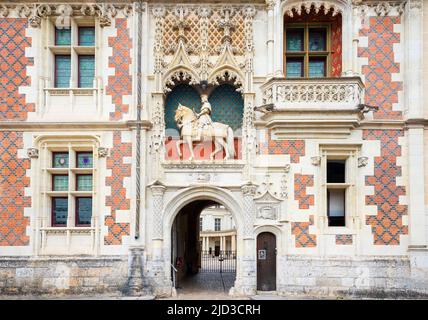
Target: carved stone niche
267,206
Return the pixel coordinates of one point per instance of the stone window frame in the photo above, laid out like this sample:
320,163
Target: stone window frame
48,145
74,50
350,153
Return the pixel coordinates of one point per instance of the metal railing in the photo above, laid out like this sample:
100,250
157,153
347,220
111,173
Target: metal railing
218,261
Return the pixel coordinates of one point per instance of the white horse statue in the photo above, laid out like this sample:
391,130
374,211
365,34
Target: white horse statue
222,134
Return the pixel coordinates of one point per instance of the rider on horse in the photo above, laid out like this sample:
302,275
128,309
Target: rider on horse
204,116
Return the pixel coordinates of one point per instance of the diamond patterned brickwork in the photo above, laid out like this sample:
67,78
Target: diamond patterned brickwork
120,84
214,33
13,74
238,34
170,34
295,148
301,232
380,89
344,239
13,181
117,200
301,182
387,225
336,34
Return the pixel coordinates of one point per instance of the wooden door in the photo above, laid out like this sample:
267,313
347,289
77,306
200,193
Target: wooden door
266,262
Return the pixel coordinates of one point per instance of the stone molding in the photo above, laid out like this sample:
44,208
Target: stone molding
36,12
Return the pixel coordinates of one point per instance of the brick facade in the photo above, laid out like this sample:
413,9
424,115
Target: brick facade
387,225
294,148
301,182
381,90
13,72
117,200
13,181
302,236
120,84
344,239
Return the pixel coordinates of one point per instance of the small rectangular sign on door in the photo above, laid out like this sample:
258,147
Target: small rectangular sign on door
262,254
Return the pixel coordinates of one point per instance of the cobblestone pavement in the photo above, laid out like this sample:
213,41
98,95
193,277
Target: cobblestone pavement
206,286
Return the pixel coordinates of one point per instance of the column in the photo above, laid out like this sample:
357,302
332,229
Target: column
270,5
158,190
414,103
204,240
246,281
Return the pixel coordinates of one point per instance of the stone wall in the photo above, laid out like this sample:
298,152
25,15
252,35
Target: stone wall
68,275
374,277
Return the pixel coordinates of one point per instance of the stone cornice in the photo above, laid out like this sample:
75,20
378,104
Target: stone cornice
35,11
59,126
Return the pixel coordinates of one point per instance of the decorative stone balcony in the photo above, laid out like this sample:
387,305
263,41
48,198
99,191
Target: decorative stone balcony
312,108
315,93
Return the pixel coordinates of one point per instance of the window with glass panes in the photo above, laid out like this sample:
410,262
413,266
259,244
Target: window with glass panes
307,50
74,56
336,192
217,224
71,188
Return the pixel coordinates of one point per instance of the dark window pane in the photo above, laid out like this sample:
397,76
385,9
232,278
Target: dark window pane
83,211
59,211
317,39
336,207
60,183
336,171
63,37
294,40
317,67
294,67
84,159
62,71
84,182
86,36
217,224
86,71
60,160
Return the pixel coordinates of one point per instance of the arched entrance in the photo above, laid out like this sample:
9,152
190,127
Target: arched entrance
203,248
266,261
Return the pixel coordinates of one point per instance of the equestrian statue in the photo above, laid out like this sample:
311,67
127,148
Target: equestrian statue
200,127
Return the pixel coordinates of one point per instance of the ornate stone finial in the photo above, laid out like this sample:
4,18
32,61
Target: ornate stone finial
33,153
284,181
225,23
362,162
316,161
181,24
102,152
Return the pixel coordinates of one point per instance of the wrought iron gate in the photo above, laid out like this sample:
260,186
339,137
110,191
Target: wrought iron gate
218,262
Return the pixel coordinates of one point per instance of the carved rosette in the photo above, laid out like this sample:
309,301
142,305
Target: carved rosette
158,191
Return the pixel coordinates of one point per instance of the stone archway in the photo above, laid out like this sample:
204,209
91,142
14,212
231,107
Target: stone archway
193,195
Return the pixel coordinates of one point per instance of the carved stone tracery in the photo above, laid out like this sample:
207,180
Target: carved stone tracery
37,12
